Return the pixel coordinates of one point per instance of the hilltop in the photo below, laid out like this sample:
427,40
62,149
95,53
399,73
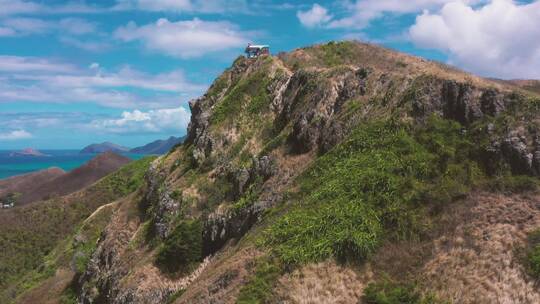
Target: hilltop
54,182
341,172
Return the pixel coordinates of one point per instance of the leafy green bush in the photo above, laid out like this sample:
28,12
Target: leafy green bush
387,292
514,184
259,288
182,248
372,186
533,254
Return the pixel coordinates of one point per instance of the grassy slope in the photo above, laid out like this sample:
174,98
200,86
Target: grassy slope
31,232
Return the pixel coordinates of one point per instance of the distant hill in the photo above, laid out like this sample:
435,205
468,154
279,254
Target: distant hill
27,152
28,182
158,146
104,147
55,182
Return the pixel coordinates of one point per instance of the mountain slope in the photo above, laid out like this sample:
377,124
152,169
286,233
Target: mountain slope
35,187
36,234
159,146
26,182
339,172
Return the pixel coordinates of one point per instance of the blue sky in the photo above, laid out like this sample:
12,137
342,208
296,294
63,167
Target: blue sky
78,72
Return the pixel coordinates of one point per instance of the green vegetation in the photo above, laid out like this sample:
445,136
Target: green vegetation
533,254
175,296
31,233
373,186
129,178
259,288
513,184
182,249
85,240
252,88
336,53
387,292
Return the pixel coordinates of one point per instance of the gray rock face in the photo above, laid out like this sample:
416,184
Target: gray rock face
515,151
314,123
198,134
492,102
459,102
159,196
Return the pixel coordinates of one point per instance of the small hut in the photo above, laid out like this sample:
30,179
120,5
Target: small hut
254,51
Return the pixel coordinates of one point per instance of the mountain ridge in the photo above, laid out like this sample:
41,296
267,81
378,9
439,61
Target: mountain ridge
337,172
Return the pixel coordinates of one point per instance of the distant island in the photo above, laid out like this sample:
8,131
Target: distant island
161,146
27,152
104,147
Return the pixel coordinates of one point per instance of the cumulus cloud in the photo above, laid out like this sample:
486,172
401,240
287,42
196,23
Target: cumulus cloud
358,14
499,39
185,39
316,16
153,121
15,135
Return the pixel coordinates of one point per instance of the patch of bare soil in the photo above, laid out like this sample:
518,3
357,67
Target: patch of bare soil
223,277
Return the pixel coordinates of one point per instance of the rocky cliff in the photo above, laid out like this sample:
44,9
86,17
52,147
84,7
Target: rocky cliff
341,172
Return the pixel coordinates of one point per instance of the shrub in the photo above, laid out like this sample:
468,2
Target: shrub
533,254
387,292
259,288
182,248
513,184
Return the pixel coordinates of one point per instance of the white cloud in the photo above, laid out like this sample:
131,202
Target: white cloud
499,39
314,17
6,32
15,135
22,7
27,26
88,44
44,80
185,39
358,14
153,121
32,64
179,6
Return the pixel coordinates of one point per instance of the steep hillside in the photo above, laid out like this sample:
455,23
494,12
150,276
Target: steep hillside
31,188
29,233
338,173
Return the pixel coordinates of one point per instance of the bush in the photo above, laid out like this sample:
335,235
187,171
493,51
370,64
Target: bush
513,184
182,248
533,254
387,292
259,288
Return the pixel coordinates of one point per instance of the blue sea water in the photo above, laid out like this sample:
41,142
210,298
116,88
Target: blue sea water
65,159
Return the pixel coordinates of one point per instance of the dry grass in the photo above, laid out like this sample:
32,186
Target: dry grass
324,282
478,263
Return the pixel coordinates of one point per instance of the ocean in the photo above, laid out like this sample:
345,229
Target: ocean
65,159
